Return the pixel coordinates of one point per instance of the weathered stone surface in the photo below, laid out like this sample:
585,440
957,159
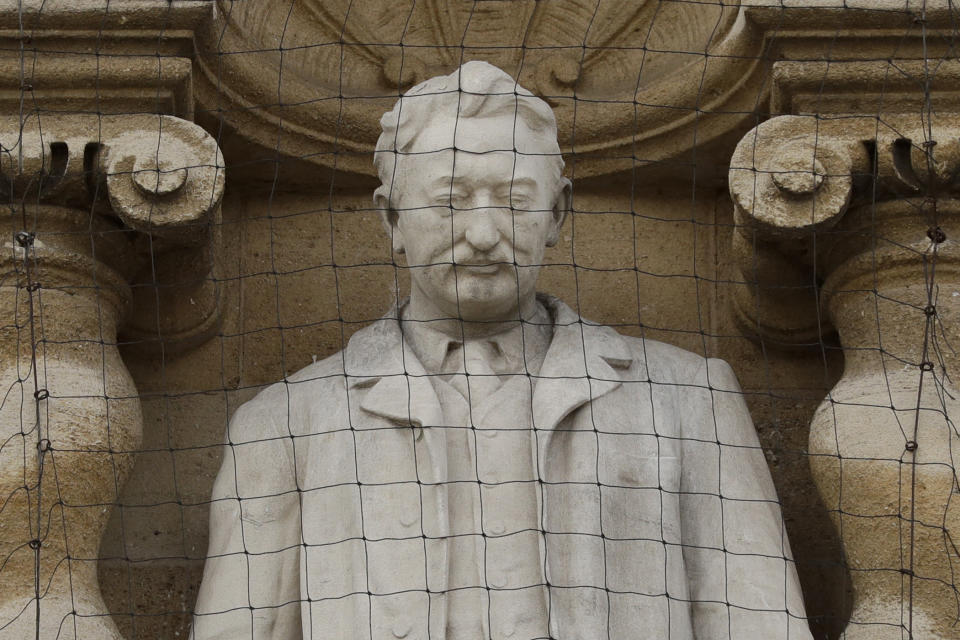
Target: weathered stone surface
882,443
71,421
615,483
297,267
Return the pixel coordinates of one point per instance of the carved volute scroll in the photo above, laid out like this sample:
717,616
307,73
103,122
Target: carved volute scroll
851,223
166,180
789,178
90,193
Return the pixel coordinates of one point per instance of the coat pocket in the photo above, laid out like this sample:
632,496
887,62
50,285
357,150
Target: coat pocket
642,500
623,467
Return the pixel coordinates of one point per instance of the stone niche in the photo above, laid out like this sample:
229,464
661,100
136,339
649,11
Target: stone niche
189,218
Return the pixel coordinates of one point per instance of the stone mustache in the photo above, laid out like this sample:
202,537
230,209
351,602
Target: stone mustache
482,462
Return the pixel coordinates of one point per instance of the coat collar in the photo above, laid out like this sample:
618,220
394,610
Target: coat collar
378,359
584,361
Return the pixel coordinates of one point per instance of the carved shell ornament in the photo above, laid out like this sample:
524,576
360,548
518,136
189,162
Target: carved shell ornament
631,81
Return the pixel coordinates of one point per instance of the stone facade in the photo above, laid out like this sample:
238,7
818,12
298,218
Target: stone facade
189,219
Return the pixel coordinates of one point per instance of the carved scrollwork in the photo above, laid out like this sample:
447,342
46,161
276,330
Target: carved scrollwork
557,75
158,175
789,178
793,179
160,172
792,174
913,163
41,163
637,96
166,177
404,70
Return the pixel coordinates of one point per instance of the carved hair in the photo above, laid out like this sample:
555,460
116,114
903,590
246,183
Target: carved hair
475,90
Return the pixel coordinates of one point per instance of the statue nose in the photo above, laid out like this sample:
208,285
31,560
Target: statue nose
481,232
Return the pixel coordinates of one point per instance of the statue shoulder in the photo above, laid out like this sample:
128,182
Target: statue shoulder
315,397
284,406
669,363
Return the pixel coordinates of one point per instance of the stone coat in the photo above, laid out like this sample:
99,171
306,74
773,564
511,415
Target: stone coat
329,513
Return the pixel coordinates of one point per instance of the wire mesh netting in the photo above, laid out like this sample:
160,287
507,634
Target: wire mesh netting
478,319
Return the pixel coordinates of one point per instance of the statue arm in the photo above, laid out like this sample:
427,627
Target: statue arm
251,587
742,580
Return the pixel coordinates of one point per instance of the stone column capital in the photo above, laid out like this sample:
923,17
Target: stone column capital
159,177
808,195
794,174
159,173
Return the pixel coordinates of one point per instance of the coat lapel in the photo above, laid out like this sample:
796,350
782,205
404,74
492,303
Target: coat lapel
389,382
585,362
582,364
397,387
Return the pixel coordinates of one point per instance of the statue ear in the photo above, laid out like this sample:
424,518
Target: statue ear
389,217
562,206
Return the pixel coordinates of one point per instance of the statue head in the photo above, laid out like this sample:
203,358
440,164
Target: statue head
472,192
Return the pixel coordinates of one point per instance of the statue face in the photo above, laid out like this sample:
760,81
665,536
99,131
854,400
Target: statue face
474,223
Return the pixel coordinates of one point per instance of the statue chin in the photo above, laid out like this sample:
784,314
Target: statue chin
500,304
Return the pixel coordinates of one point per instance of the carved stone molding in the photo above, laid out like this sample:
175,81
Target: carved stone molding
624,78
86,195
99,56
852,223
159,175
792,180
635,84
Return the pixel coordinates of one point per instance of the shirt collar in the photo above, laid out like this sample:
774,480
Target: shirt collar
523,344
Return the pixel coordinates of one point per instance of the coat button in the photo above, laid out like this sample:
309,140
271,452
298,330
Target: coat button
498,581
401,630
488,433
408,518
497,528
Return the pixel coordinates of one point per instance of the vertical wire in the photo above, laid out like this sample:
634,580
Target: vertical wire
929,278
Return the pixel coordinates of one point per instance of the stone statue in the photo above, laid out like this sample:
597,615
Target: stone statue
482,462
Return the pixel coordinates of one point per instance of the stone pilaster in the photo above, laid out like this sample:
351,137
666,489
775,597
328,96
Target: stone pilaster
98,209
852,223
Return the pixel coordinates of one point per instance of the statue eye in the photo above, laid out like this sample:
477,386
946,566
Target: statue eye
443,199
459,200
520,202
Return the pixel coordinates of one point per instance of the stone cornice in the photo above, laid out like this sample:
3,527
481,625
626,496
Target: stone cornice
167,18
99,56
